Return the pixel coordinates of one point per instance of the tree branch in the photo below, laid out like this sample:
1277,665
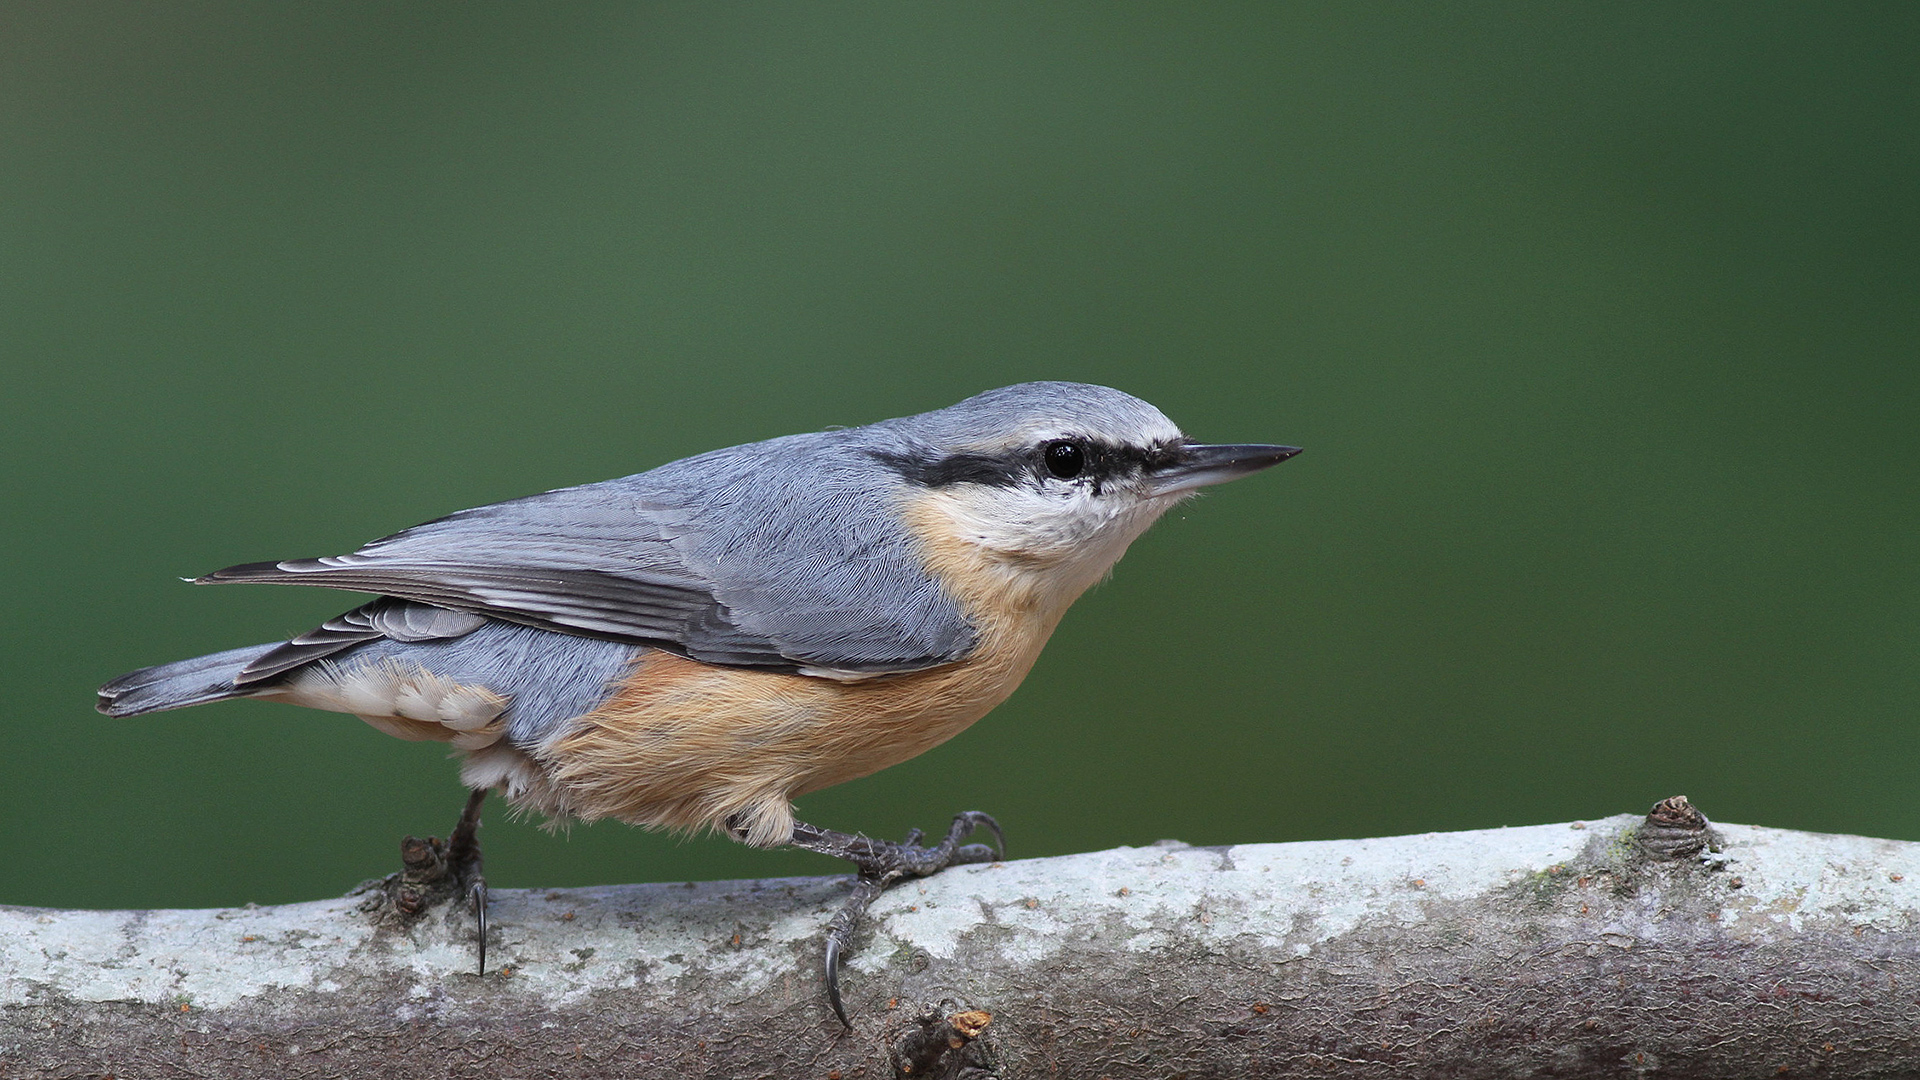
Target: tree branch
1652,947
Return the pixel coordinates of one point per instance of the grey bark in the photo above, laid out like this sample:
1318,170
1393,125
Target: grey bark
1621,947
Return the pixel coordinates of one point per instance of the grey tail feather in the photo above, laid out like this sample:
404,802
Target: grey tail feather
181,683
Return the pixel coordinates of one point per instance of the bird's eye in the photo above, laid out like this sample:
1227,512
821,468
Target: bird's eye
1064,459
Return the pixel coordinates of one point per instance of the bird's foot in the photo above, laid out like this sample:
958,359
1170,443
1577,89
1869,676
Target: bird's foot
439,871
882,863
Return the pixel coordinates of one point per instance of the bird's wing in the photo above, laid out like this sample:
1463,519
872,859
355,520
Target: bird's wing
387,617
714,557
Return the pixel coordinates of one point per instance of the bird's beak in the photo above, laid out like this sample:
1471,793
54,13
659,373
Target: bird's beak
1197,466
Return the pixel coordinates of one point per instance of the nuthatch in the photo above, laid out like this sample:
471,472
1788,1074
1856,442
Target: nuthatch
695,646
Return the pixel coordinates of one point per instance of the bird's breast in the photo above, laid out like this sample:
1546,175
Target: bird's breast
684,744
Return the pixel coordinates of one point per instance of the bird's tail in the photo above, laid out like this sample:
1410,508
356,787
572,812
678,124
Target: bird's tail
181,683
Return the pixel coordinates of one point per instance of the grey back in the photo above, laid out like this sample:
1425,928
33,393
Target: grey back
780,554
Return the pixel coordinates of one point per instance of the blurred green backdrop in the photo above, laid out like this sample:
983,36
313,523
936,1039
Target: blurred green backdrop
1598,323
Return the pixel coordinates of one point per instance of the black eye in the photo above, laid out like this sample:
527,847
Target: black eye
1064,459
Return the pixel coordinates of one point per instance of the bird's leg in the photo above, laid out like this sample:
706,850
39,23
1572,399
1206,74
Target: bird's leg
450,868
463,858
883,862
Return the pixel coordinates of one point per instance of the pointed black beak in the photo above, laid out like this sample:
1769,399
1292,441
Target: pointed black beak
1190,467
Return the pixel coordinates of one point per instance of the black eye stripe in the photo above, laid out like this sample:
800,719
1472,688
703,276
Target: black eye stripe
1100,462
992,470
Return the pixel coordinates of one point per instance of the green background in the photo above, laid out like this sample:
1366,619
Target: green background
1598,323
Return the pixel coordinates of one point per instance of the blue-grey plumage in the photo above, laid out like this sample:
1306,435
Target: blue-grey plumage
697,644
779,554
547,677
181,683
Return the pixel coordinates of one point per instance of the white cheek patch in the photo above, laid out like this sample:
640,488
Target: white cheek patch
1075,528
403,700
1014,520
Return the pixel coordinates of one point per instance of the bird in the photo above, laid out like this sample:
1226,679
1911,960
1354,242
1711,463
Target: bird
692,647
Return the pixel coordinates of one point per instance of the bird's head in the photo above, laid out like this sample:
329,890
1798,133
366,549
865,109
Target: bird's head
1051,480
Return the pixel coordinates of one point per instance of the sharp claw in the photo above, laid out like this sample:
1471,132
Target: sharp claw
966,822
478,893
974,855
833,981
999,838
840,936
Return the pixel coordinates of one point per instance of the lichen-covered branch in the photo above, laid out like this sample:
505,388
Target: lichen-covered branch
1629,946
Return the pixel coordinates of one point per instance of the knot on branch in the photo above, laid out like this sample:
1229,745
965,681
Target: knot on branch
1674,829
940,1043
434,872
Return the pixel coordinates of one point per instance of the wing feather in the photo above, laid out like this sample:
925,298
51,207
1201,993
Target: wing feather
383,618
728,558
